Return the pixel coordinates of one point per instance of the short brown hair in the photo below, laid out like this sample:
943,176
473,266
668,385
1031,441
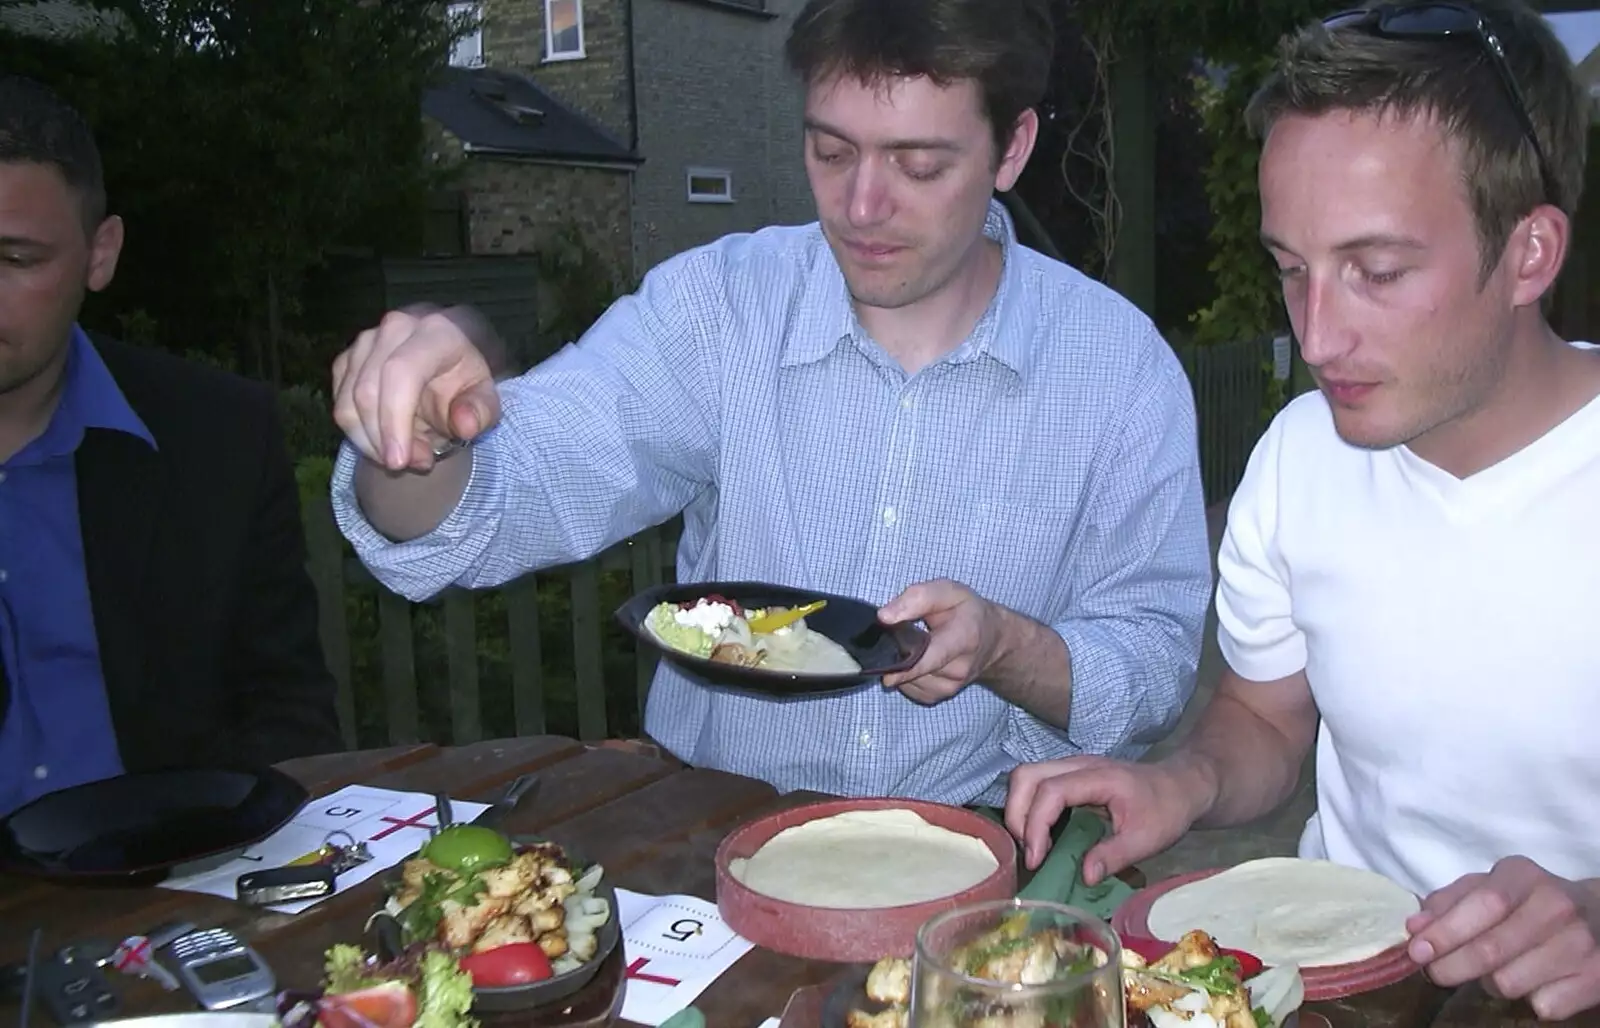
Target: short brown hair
37,126
1349,69
1005,46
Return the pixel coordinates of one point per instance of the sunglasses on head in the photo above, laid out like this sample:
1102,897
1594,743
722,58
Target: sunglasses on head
1447,21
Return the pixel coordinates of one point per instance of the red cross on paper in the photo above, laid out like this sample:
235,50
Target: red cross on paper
397,823
636,971
134,952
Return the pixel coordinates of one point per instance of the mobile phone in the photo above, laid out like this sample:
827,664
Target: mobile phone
219,970
74,991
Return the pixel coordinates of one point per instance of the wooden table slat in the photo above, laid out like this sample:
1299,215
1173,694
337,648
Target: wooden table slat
476,770
655,825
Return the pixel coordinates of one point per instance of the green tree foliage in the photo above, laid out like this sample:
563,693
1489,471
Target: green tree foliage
1238,38
242,139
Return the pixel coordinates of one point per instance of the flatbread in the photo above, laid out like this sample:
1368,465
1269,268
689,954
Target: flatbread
1311,913
864,860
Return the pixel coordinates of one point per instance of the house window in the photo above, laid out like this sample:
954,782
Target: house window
467,52
710,185
563,30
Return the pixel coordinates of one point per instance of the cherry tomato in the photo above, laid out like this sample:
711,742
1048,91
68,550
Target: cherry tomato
512,964
390,1005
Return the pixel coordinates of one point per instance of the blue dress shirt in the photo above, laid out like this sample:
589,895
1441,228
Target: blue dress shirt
57,730
1049,463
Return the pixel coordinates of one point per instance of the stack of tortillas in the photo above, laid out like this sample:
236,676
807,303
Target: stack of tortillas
865,859
1311,913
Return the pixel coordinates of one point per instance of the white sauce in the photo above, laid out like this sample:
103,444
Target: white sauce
710,618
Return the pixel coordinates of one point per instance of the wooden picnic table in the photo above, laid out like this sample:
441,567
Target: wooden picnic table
651,821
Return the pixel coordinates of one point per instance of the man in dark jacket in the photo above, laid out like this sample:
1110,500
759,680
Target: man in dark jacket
155,610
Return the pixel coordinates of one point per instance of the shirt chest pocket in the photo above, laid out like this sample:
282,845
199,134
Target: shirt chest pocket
1017,557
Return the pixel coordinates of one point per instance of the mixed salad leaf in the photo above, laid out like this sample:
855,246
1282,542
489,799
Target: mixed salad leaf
424,987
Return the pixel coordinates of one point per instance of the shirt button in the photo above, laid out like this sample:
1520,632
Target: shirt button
3,575
866,738
41,772
890,517
906,403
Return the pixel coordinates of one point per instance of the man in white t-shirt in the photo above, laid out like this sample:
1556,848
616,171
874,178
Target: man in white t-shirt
1411,571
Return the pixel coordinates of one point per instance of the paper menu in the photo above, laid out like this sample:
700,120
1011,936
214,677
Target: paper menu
392,824
675,946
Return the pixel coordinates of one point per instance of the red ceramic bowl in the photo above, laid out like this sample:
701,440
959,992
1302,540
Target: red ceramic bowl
850,936
1322,983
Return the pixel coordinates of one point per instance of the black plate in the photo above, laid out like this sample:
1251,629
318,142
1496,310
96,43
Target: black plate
140,826
505,998
879,649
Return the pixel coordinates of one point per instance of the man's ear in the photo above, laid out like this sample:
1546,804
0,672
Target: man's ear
1535,253
105,247
1023,136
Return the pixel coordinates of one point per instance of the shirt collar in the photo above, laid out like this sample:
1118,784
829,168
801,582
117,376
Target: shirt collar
90,398
1001,332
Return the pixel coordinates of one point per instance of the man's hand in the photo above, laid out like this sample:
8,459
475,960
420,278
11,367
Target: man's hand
415,381
1150,807
964,631
1526,932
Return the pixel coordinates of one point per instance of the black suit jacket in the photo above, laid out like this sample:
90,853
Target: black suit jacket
195,557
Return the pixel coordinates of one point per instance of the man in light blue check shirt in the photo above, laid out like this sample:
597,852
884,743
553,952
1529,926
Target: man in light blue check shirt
900,403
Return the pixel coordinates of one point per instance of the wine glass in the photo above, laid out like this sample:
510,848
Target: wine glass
1016,964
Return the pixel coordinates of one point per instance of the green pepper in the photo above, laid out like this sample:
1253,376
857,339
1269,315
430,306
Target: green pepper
468,848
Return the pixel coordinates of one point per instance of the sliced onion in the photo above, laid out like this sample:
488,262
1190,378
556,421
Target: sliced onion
590,879
582,945
587,914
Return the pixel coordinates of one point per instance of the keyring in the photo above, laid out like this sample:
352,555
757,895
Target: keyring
446,448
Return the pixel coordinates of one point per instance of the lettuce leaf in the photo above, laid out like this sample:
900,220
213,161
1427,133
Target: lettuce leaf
1219,977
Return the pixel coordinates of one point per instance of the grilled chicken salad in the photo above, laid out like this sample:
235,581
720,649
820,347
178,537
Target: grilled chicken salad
1192,985
721,630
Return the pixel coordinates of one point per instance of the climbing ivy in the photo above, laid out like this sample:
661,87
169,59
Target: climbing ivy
1247,300
1238,38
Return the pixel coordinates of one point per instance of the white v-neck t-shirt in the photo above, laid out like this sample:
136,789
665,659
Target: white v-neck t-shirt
1450,630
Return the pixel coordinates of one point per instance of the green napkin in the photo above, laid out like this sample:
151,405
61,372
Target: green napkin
1059,879
688,1017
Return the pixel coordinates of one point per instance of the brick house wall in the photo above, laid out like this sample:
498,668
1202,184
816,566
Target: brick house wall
710,91
596,84
714,92
519,206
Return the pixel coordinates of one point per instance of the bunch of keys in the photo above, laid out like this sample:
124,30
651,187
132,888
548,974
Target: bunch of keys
311,876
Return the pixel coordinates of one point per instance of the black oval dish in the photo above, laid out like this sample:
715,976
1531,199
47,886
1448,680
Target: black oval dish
508,998
135,828
880,649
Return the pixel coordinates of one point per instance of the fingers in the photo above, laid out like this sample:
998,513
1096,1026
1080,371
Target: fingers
1441,900
943,648
1569,996
400,384
1048,800
364,392
920,601
474,411
1024,785
1464,912
381,380
931,690
1543,964
346,412
1497,925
